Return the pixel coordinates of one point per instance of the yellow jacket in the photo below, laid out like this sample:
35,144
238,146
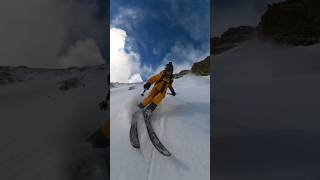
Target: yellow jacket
162,82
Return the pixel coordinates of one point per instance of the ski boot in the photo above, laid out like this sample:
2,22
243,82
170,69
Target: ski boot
147,112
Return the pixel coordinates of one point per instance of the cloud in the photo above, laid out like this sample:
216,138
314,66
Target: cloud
192,16
125,65
128,17
192,43
184,55
83,53
198,26
135,78
156,51
38,33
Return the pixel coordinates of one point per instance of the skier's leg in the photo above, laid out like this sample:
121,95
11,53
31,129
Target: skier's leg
148,110
157,99
154,104
148,99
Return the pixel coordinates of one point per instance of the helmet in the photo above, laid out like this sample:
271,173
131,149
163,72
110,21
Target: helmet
169,67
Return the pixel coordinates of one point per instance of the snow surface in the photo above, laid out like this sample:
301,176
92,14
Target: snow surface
182,124
43,129
266,112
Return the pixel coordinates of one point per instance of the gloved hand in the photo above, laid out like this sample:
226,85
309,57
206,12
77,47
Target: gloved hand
173,92
146,86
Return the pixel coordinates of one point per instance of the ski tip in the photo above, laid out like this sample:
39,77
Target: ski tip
136,146
166,153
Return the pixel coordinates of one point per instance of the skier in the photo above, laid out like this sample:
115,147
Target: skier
162,82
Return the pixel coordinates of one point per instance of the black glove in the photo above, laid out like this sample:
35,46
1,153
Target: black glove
146,86
172,92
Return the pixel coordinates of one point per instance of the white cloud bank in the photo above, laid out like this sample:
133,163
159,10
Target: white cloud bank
83,53
38,33
125,65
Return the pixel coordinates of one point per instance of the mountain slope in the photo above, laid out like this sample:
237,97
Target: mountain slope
266,112
182,124
46,117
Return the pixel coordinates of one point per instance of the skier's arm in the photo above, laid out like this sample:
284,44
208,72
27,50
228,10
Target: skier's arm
152,80
171,89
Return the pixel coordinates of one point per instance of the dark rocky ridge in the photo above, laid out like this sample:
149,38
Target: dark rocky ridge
71,83
201,68
181,74
8,78
15,74
232,38
292,22
295,22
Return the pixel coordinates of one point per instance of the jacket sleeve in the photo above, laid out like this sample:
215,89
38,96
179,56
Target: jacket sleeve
154,78
170,87
170,84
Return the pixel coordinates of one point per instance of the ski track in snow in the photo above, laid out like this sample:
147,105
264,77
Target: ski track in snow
182,124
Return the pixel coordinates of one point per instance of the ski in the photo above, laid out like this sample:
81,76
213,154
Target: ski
154,138
134,139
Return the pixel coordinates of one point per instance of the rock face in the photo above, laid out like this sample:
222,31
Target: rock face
292,22
71,83
7,78
295,22
181,74
232,38
201,68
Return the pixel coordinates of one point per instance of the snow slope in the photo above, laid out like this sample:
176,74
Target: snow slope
266,112
43,129
182,123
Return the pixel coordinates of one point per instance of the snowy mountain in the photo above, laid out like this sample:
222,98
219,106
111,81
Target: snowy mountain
266,115
266,106
182,124
46,117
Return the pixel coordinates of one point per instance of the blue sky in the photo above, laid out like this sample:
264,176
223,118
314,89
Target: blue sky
156,32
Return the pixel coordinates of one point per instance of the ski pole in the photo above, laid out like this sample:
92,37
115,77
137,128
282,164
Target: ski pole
142,94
